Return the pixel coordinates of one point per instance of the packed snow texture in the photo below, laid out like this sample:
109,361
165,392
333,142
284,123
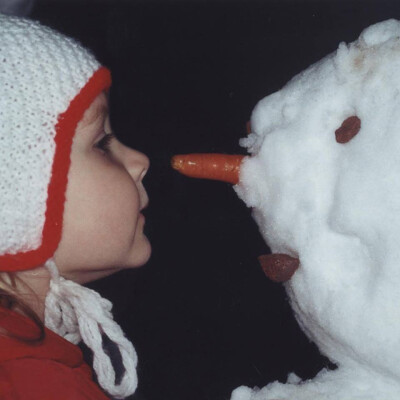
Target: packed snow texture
336,207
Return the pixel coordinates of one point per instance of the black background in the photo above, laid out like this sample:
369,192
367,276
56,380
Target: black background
186,75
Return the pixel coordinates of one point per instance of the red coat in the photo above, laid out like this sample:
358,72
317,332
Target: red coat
51,370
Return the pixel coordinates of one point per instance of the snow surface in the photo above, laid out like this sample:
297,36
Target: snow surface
336,207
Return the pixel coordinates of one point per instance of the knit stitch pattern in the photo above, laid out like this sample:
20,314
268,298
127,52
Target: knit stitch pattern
41,71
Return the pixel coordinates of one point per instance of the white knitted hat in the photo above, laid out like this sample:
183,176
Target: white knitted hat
47,81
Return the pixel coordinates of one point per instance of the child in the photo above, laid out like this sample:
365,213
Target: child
70,202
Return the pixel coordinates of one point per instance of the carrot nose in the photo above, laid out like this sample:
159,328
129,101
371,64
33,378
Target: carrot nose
219,167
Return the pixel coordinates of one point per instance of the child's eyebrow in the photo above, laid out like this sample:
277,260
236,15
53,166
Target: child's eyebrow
96,114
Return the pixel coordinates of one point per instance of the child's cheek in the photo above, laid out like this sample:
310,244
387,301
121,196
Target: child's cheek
101,214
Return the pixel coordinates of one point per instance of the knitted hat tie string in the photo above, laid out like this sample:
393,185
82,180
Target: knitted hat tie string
79,313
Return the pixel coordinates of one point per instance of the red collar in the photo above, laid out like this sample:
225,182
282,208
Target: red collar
53,347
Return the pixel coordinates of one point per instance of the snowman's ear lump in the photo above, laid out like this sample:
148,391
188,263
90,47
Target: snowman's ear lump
349,128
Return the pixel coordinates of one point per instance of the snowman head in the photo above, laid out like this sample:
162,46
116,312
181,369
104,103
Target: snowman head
323,180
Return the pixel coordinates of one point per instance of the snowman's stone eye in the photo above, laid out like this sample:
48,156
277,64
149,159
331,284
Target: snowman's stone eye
349,128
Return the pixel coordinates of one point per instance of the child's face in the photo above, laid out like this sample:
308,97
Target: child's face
103,226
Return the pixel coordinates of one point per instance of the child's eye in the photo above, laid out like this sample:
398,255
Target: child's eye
104,143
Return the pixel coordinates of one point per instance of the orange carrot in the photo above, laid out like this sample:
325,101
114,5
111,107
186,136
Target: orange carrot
220,167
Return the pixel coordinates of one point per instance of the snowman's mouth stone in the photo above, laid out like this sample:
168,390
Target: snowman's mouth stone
279,267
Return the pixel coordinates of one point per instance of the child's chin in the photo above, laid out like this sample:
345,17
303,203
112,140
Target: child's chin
141,254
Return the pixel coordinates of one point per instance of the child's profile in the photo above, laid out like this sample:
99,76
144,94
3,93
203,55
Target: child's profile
71,197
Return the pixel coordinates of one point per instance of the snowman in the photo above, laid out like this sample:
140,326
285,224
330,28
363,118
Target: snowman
323,180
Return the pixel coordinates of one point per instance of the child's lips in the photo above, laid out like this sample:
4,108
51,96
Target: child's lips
144,206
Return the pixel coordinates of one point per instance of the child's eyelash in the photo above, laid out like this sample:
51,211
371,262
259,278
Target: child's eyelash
104,143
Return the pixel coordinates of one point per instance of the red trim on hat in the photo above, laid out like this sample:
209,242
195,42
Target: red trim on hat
65,131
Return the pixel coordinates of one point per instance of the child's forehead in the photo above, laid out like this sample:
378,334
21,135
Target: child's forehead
96,110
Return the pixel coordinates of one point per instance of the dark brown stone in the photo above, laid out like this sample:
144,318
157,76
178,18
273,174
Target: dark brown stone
349,128
279,267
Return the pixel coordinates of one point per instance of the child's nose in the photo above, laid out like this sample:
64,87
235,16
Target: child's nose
136,163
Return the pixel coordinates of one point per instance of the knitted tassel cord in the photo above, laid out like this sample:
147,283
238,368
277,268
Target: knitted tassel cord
79,313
